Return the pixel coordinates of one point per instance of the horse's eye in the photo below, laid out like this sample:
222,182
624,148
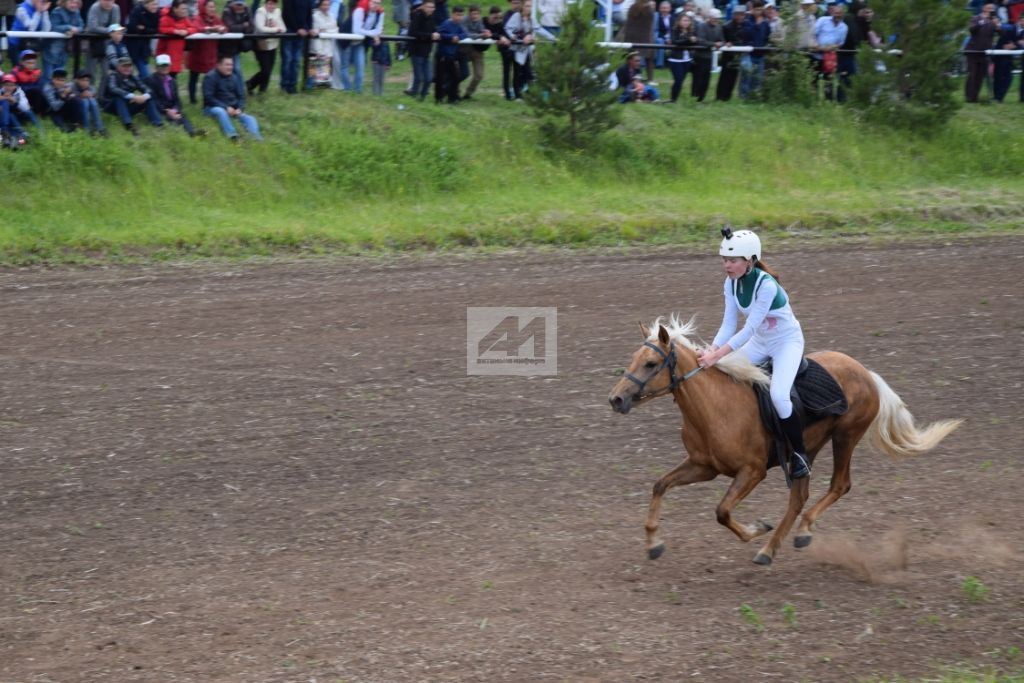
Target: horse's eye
650,364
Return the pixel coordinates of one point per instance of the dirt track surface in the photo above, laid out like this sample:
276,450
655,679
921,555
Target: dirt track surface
281,472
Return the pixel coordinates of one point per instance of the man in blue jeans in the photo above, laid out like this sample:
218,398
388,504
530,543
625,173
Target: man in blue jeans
127,96
224,99
298,18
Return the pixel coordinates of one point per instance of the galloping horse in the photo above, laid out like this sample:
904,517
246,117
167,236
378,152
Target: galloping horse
723,433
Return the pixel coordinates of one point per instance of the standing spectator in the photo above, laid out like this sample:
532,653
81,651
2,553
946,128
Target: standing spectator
684,39
237,19
759,31
65,19
298,18
380,56
321,50
1002,65
31,15
102,13
710,37
476,29
224,99
128,96
1016,39
805,24
268,22
829,34
735,33
116,47
664,23
639,28
368,22
86,95
983,30
165,96
174,20
549,15
202,54
446,83
65,108
495,23
400,15
143,24
15,109
519,27
424,30
858,30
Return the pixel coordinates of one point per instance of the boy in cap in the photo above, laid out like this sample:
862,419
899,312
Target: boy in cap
65,109
30,79
127,96
13,110
86,94
116,47
165,95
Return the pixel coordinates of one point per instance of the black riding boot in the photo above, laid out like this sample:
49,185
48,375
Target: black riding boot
794,430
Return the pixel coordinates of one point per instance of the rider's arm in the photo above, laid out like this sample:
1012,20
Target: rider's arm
729,318
758,311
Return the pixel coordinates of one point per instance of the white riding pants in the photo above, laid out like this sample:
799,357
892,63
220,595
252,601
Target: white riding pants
786,352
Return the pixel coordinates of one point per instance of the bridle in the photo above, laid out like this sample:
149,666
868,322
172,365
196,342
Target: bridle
668,360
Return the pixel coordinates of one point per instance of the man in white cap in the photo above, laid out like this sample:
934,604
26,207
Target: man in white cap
165,95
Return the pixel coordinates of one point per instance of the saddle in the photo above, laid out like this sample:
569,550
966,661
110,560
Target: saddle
816,395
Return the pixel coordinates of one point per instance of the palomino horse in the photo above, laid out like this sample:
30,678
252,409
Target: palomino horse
723,433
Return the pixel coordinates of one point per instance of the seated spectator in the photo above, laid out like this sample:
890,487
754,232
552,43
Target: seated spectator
237,19
202,54
65,108
174,21
224,99
143,23
628,78
446,83
86,94
116,47
268,20
30,80
14,110
31,15
66,19
127,96
165,95
475,29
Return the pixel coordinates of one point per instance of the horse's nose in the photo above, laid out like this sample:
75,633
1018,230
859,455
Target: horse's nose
619,404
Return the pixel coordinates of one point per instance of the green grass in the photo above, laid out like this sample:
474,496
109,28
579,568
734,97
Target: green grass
356,174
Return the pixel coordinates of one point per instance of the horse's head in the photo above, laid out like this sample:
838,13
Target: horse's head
651,372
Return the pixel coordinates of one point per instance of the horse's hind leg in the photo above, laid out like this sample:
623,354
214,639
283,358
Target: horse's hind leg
842,454
797,498
687,473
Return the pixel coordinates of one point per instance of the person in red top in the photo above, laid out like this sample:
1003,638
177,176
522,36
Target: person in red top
202,54
29,77
174,20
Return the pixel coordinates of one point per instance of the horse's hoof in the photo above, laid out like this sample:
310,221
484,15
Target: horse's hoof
655,552
764,526
802,541
763,559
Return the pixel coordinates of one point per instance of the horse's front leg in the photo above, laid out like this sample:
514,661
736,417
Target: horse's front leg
687,473
797,498
745,482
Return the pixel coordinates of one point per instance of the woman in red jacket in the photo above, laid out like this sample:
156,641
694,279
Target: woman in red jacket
174,21
202,54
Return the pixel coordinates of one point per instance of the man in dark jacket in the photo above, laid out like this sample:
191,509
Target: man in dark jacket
983,29
735,34
165,95
127,96
298,18
224,99
709,34
237,19
423,28
1011,37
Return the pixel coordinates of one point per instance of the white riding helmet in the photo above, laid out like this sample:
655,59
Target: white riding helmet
741,243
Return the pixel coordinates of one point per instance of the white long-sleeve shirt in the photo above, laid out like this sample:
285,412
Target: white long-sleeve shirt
762,320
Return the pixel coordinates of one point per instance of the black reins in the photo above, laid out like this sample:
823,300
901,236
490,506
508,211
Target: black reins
668,360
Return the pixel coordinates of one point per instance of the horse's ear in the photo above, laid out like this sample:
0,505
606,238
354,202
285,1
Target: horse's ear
643,329
663,335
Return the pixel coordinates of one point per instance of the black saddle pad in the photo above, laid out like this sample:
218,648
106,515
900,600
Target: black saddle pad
816,395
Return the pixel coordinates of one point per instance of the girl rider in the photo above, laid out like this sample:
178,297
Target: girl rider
771,331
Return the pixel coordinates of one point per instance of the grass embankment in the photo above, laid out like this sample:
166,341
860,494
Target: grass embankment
341,172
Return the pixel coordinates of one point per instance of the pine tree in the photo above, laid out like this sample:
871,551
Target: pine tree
789,78
570,92
911,90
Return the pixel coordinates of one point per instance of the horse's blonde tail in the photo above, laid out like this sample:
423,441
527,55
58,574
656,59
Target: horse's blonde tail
893,430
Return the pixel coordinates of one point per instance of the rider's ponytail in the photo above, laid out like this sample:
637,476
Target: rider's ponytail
758,263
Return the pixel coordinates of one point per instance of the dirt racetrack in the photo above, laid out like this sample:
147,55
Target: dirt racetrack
280,471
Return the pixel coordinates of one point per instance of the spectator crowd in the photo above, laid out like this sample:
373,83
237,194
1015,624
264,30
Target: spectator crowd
134,54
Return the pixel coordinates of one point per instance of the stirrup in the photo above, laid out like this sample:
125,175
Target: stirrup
799,467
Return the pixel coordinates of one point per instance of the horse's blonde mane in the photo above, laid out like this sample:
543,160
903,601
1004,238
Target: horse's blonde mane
736,365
